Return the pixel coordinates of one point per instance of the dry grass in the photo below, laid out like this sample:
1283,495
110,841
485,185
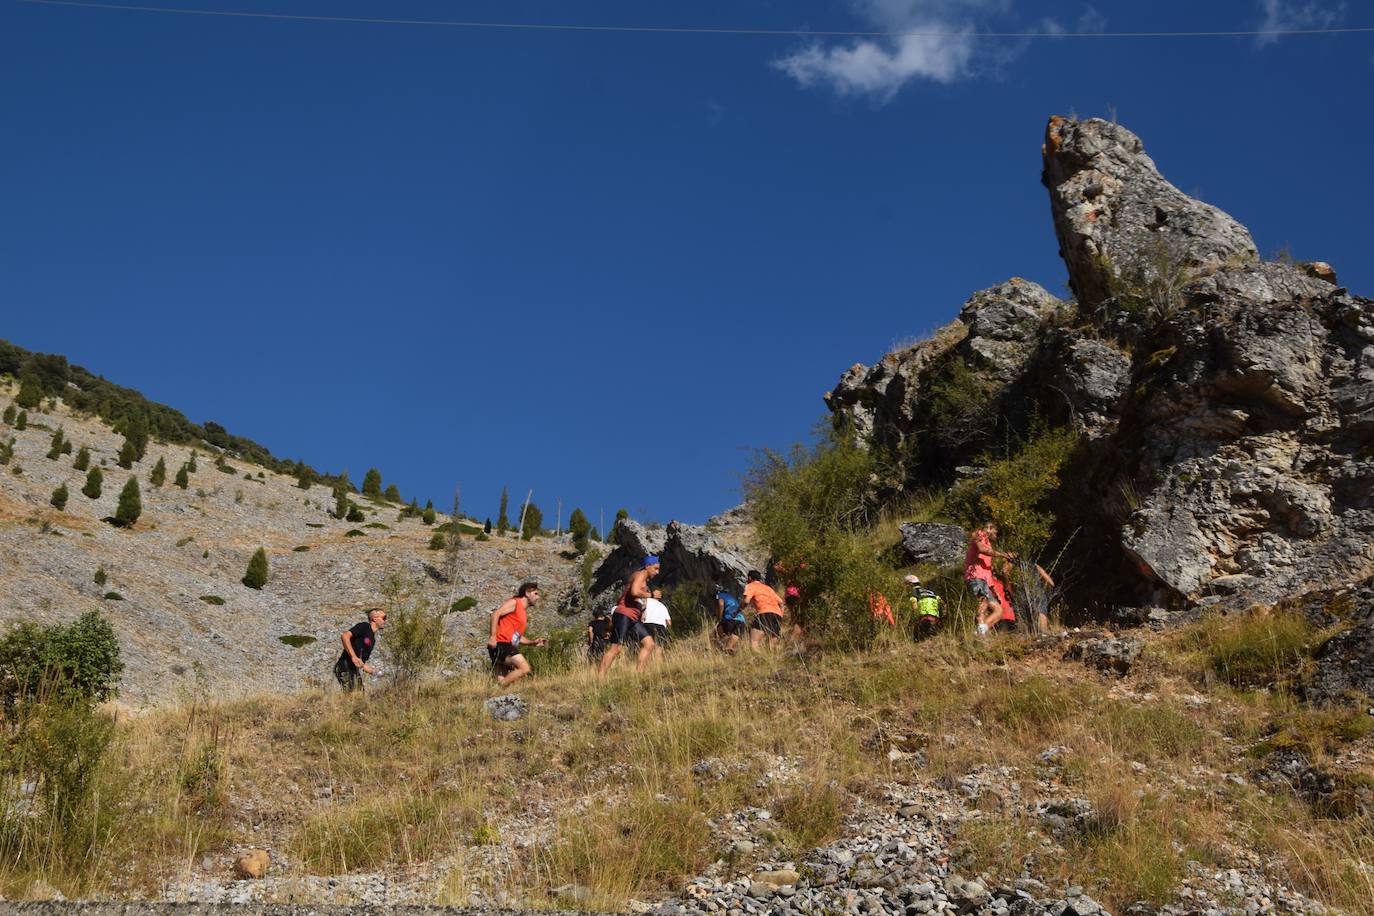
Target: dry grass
600,776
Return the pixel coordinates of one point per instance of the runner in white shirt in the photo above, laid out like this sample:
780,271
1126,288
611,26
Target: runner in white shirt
657,620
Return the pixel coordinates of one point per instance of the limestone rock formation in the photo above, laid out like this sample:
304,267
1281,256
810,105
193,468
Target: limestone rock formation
689,554
1225,405
933,543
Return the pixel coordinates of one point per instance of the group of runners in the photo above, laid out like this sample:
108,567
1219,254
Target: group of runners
640,621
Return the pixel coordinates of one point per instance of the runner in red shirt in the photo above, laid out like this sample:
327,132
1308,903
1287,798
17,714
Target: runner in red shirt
626,627
508,624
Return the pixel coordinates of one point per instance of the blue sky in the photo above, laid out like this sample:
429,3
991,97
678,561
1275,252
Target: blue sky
604,266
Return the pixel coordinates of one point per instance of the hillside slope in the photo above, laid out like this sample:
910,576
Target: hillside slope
196,543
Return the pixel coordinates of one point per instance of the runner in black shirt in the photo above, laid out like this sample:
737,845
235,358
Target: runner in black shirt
358,642
598,635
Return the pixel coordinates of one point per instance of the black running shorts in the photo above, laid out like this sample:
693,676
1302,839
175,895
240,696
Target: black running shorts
627,632
771,624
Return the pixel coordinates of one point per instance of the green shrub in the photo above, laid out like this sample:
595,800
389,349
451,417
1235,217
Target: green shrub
300,548
83,459
437,541
462,604
372,483
256,576
427,516
30,392
313,525
127,455
391,494
130,505
534,522
296,641
355,533
113,596
1016,491
159,473
560,655
580,529
21,422
95,480
381,525
10,414
55,447
59,497
182,542
100,577
483,537
216,600
183,479
415,641
79,660
354,514
6,450
961,403
223,466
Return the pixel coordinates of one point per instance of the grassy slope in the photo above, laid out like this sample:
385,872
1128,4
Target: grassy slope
596,786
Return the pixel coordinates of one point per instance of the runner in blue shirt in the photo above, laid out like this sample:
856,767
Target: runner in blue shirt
730,624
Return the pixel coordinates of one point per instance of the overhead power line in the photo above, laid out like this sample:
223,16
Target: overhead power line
690,30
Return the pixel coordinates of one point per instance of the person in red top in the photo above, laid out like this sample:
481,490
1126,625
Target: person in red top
769,611
508,624
626,627
993,606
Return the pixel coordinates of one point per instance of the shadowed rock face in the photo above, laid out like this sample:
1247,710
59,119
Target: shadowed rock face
1225,405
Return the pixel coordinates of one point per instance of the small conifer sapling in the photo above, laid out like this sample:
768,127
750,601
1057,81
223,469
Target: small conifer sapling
59,497
130,505
95,479
183,479
256,576
159,474
83,459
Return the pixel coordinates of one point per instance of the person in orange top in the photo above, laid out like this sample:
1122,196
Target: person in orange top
508,624
768,611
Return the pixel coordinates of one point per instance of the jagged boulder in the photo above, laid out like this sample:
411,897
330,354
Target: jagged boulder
688,554
1115,213
933,543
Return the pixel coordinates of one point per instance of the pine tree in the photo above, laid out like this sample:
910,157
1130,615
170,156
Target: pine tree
83,459
256,576
66,446
534,522
183,479
94,480
55,448
304,477
580,529
128,454
502,520
372,483
392,494
6,450
595,534
130,505
159,475
22,421
486,528
340,503
191,465
30,392
59,497
135,430
10,414
428,515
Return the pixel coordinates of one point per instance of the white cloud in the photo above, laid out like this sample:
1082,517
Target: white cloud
1281,15
1092,19
943,52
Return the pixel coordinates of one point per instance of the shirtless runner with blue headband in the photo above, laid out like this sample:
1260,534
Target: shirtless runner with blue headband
626,626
